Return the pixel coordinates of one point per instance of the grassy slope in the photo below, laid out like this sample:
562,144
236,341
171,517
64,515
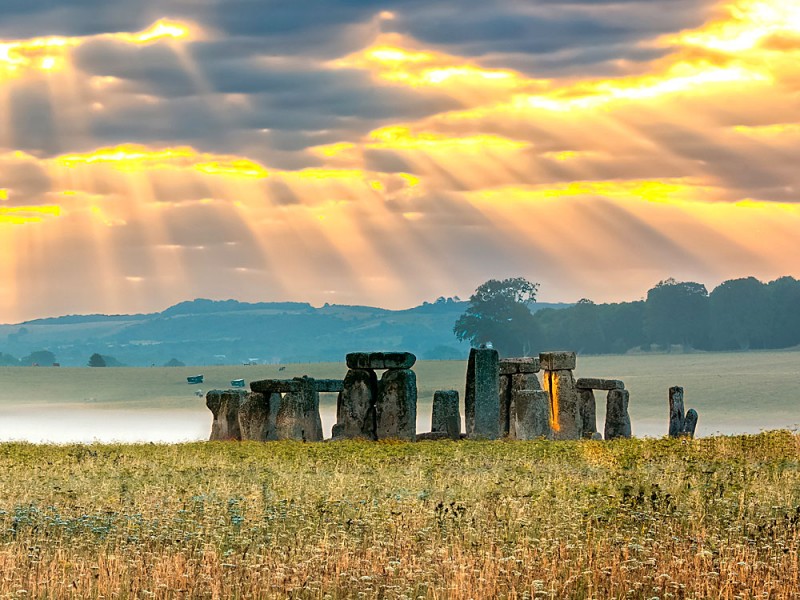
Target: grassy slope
716,517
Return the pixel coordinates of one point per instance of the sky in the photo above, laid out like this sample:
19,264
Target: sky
387,153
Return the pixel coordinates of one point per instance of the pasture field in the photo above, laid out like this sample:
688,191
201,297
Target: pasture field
716,517
733,392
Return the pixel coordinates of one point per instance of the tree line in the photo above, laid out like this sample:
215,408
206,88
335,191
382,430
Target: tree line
739,314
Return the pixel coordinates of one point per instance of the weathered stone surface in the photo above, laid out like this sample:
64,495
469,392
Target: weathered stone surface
564,406
284,386
676,417
511,366
597,436
506,416
532,414
257,414
224,406
591,383
445,405
618,421
298,417
396,407
453,426
587,408
355,407
329,385
557,361
519,382
690,423
380,360
482,398
275,386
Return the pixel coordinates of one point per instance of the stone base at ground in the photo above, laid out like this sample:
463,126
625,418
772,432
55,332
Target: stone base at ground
396,408
618,421
532,414
224,407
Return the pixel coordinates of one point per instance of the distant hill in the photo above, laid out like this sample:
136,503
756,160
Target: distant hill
203,332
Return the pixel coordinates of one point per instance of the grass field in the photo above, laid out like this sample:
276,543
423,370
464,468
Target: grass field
641,519
733,392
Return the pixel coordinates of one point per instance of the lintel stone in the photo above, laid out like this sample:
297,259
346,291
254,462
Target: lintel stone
591,383
512,366
557,361
380,360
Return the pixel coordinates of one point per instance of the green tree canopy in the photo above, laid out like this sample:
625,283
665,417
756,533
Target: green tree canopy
739,311
97,360
42,358
676,312
498,312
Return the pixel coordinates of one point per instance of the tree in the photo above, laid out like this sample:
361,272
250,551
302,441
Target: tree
739,311
498,312
43,358
784,316
97,360
676,312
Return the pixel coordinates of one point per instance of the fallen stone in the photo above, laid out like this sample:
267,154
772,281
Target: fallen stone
355,406
564,406
676,417
482,398
557,361
257,414
445,405
532,414
224,407
512,366
587,383
597,436
380,360
396,406
618,421
588,412
690,423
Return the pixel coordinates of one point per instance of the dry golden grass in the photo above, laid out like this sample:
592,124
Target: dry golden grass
710,518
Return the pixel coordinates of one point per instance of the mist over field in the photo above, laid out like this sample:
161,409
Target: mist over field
733,392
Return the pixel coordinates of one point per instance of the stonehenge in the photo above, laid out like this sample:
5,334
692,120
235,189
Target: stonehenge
559,382
378,409
503,399
679,424
445,415
482,397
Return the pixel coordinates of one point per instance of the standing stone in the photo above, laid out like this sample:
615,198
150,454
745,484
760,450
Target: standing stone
532,414
676,417
453,425
224,406
588,412
564,405
257,414
445,406
506,415
689,423
618,421
298,417
482,400
396,408
355,407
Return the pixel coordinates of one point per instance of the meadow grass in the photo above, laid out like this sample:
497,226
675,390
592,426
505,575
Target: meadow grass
708,518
